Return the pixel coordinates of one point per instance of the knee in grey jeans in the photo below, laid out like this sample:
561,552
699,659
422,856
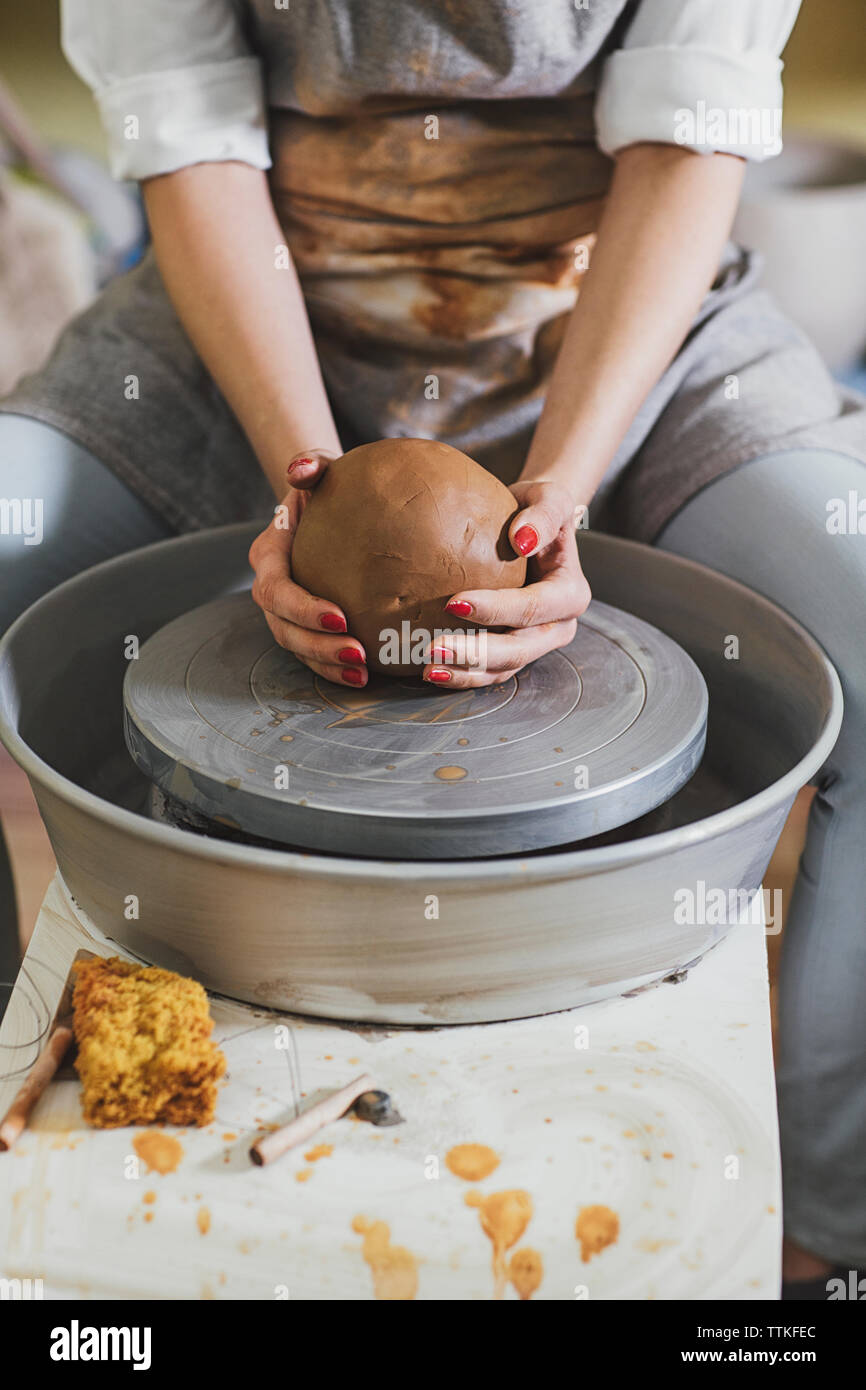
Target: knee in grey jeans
63,511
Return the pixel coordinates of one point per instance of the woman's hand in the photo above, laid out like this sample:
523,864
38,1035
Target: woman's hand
541,617
313,628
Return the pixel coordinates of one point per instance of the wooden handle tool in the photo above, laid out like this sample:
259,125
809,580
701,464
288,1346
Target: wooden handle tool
322,1113
47,1064
42,1071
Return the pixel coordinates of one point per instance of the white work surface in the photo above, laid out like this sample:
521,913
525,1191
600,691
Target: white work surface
660,1107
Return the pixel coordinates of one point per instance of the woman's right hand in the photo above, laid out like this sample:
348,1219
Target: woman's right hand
313,628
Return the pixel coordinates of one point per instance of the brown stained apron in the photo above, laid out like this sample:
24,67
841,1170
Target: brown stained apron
436,174
439,255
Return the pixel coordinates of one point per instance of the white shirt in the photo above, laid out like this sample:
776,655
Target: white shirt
177,84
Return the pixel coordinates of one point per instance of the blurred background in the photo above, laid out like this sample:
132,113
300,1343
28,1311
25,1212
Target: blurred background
806,211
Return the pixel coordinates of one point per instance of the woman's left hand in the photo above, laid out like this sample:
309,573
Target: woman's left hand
540,617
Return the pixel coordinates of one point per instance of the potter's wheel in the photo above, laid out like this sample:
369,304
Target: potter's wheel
586,739
348,936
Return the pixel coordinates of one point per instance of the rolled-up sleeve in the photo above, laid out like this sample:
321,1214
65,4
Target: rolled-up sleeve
705,74
175,82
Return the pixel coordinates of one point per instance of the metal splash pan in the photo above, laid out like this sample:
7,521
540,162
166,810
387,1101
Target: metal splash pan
586,739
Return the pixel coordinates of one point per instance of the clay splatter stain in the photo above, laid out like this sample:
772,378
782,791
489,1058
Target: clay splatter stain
474,1162
202,1220
596,1228
320,1151
160,1152
303,1175
526,1272
393,1267
287,738
450,774
504,1217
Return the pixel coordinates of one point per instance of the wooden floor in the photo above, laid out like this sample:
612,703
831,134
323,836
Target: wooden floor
33,861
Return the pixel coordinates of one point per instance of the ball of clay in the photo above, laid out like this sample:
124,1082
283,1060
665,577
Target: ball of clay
392,531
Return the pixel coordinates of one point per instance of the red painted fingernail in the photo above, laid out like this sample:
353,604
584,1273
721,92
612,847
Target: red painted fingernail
459,607
441,654
297,463
525,539
351,654
332,622
353,677
437,674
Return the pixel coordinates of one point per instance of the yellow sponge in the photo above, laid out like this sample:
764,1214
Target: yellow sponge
144,1048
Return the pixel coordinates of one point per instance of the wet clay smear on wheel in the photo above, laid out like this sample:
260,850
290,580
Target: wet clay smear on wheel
144,1047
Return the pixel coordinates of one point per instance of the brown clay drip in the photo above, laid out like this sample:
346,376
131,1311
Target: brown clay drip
526,1272
474,1162
319,1151
596,1228
504,1217
160,1152
394,1268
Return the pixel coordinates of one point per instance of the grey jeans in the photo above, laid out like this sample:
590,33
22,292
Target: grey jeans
764,524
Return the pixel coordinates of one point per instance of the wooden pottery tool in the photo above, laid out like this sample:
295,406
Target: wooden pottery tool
48,1065
360,1095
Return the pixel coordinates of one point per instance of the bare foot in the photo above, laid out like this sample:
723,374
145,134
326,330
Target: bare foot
800,1264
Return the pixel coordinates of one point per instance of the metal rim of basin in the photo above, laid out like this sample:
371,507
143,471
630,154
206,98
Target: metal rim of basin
552,863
